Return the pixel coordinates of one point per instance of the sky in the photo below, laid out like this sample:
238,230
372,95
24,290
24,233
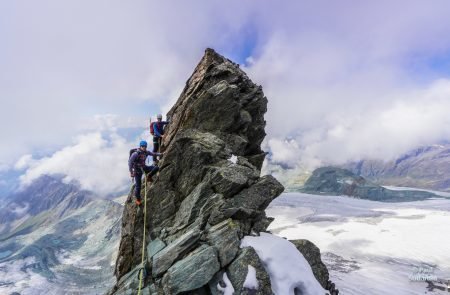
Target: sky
346,80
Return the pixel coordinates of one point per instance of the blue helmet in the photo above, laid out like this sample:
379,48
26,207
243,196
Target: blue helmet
143,143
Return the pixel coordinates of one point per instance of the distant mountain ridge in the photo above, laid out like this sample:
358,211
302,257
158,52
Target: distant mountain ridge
57,239
426,167
44,193
338,181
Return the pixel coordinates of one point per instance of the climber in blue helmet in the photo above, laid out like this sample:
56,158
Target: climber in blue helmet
137,167
157,131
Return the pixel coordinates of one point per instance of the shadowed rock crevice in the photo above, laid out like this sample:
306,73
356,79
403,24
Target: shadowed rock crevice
209,192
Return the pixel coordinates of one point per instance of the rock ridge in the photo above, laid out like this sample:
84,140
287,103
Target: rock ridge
209,192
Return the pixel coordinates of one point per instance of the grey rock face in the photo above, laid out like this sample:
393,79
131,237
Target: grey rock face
192,272
201,203
154,247
164,258
338,181
224,237
238,269
312,254
129,283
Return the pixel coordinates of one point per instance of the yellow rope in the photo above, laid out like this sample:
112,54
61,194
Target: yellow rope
145,225
143,238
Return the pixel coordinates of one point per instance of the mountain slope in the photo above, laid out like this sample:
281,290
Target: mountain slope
338,181
61,246
44,194
426,167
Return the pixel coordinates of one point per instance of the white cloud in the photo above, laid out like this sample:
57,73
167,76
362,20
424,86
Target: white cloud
97,163
344,79
63,61
24,162
284,151
412,119
343,85
112,122
3,167
19,277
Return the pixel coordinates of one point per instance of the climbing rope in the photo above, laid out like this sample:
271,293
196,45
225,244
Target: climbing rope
143,238
145,225
159,145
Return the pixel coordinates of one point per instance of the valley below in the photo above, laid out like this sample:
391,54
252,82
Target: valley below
370,247
74,254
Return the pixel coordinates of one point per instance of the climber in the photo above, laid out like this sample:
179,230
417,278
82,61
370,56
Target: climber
137,167
157,131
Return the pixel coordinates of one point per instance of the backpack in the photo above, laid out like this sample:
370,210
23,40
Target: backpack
152,128
132,152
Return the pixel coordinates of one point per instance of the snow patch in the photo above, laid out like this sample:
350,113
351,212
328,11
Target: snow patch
228,290
250,280
19,210
288,269
349,181
233,159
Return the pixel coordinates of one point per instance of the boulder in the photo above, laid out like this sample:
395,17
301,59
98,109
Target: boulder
237,273
192,272
312,254
154,247
167,256
224,237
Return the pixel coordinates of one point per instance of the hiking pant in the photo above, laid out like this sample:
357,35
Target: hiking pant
138,178
156,142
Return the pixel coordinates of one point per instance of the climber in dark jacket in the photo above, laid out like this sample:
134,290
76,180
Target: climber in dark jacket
158,134
136,165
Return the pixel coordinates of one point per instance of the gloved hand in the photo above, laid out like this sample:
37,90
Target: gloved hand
132,173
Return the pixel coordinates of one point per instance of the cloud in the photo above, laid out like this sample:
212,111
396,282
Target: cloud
413,119
344,79
24,162
62,63
283,151
113,122
97,162
343,84
18,276
3,167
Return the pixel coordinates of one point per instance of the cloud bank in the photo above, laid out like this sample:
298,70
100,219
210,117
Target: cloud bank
97,163
345,80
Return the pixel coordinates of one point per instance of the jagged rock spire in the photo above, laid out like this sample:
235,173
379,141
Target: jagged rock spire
202,203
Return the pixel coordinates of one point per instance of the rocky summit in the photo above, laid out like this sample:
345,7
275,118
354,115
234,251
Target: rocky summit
209,193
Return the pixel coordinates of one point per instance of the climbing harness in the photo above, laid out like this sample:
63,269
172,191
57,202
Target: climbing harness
141,271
